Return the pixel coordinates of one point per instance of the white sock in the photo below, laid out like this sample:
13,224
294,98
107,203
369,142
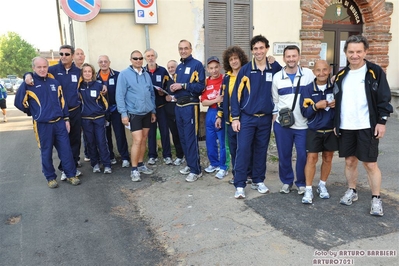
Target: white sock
309,187
323,183
240,189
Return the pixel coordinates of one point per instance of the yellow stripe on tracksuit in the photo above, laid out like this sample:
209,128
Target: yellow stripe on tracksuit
194,77
244,82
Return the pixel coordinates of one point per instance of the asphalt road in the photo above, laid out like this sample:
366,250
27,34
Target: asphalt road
163,220
95,223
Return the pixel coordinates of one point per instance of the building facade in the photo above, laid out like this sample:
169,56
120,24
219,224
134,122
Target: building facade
318,27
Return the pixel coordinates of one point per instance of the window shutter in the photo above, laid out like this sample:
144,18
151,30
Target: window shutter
242,27
217,29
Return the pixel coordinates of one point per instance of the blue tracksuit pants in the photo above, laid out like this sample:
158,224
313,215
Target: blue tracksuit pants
94,130
285,140
164,131
120,136
253,138
213,136
75,135
171,119
54,134
232,140
187,120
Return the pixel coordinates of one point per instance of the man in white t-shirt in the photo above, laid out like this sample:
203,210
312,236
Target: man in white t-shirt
362,96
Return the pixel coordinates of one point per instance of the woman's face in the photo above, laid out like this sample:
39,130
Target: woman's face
87,73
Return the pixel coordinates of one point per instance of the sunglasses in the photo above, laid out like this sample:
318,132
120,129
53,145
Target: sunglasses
137,58
66,54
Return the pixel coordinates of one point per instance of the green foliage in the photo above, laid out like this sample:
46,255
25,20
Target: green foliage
15,55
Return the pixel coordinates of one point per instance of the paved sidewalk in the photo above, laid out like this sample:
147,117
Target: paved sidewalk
201,223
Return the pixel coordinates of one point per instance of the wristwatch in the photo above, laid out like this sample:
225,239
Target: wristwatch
183,86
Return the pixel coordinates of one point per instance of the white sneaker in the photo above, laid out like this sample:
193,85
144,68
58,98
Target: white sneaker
64,177
107,170
185,170
179,161
125,164
261,187
86,159
376,207
96,169
286,188
211,169
5,118
307,197
193,177
152,161
240,193
323,192
221,174
145,170
113,161
135,175
168,161
301,190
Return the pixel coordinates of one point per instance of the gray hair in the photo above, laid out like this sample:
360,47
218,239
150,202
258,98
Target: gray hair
356,39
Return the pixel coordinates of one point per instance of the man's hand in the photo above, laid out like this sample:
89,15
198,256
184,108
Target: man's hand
125,121
236,125
68,126
322,104
29,79
153,118
104,90
331,104
379,131
218,122
175,87
271,59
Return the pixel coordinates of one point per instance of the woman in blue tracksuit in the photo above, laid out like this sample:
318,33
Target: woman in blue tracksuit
94,106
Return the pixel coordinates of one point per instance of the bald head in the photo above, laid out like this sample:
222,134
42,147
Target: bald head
322,72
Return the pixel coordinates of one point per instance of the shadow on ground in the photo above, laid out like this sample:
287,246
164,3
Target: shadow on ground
326,223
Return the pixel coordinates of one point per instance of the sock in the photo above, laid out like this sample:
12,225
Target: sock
354,189
375,196
134,168
140,164
323,183
309,187
240,189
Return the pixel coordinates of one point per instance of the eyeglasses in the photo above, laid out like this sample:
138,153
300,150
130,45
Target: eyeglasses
66,54
137,58
103,62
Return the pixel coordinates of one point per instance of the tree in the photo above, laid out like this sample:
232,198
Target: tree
15,55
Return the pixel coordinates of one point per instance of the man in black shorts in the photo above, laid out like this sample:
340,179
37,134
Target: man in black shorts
135,100
363,106
318,107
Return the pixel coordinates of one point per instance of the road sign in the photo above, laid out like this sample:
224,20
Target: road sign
81,10
145,11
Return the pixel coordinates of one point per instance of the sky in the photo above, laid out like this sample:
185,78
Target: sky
34,20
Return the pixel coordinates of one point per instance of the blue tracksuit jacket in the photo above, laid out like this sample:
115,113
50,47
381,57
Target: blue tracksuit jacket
317,119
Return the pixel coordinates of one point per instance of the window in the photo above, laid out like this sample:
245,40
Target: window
227,22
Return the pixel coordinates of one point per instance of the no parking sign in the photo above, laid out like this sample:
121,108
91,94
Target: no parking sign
145,11
81,10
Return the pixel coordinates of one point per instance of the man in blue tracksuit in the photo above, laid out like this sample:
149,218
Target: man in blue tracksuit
44,101
68,75
109,78
251,111
159,75
190,82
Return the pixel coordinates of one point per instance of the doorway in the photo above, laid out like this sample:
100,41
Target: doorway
340,21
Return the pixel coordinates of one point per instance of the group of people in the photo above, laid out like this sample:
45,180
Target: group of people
305,108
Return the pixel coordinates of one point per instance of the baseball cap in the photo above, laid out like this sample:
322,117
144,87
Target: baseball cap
212,59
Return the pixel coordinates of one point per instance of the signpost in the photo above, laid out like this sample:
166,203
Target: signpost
145,11
81,10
